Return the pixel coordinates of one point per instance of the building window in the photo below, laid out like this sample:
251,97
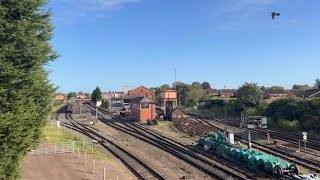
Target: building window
145,106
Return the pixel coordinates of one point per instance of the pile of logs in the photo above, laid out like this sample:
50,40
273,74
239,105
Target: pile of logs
192,127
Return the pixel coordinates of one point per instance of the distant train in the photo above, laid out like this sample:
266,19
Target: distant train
69,108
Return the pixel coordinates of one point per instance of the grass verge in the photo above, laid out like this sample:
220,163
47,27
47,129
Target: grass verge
60,136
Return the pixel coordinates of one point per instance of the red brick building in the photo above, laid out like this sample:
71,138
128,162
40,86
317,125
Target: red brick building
273,93
142,92
143,109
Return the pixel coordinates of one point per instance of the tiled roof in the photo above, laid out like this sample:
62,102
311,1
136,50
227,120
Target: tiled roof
295,92
142,100
227,91
309,93
275,91
212,91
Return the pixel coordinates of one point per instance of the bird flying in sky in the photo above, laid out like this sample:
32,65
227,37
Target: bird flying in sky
273,14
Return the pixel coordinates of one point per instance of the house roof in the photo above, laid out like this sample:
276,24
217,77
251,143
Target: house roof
227,91
142,100
309,93
295,92
212,91
275,91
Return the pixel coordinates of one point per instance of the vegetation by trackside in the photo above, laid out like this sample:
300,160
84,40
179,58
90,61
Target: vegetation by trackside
25,92
52,134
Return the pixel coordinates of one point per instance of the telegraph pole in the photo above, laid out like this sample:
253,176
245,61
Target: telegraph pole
175,79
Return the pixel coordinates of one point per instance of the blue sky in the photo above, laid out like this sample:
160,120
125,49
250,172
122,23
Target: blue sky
112,43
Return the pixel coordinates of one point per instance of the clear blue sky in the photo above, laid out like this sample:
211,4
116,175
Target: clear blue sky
112,43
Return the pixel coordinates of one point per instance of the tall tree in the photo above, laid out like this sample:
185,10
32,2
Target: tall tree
25,91
196,85
206,85
317,83
194,95
96,95
71,94
249,95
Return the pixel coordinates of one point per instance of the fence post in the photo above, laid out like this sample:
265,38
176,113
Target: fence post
85,158
94,166
104,173
83,146
78,153
72,146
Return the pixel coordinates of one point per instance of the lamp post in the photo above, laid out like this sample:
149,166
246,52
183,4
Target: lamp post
225,104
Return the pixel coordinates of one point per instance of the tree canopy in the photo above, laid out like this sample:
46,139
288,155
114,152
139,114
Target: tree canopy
297,86
250,95
96,95
25,91
71,94
206,85
317,83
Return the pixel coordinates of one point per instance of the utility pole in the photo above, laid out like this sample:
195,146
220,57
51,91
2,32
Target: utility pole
175,79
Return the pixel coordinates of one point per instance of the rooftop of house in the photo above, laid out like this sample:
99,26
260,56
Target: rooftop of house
275,91
138,100
295,92
310,93
227,91
211,91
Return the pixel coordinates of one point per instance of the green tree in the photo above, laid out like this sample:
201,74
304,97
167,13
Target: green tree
105,103
249,95
317,83
96,95
194,95
196,85
25,91
71,94
297,86
206,85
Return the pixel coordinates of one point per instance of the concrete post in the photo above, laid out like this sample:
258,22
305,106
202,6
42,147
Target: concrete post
72,146
94,166
104,173
85,158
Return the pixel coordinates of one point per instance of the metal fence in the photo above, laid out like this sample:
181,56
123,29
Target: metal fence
62,147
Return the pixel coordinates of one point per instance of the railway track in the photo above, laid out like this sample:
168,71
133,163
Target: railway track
311,165
178,149
138,167
312,144
312,149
